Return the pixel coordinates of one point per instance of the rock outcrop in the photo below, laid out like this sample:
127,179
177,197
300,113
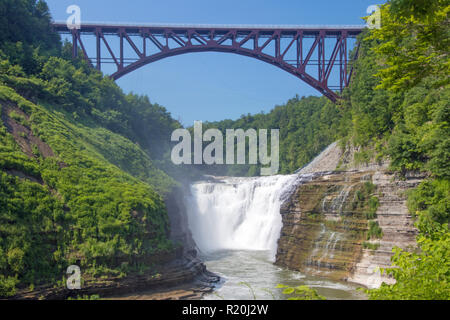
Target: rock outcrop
326,220
186,271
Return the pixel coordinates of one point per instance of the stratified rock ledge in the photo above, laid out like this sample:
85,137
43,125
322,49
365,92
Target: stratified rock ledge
185,277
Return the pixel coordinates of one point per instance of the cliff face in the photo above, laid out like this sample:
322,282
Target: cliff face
179,230
398,229
343,225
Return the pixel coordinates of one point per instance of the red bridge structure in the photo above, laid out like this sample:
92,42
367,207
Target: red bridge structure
310,53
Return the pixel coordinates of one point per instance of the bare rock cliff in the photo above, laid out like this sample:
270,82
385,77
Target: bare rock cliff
344,224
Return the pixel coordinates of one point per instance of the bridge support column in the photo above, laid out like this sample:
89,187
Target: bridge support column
121,31
99,56
74,44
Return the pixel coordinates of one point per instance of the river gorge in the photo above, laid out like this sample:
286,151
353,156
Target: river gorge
330,226
308,228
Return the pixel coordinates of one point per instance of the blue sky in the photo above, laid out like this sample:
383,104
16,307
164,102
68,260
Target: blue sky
215,86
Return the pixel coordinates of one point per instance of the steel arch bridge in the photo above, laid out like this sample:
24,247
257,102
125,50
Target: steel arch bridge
299,50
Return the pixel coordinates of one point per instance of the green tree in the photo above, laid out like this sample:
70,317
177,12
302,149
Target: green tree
419,276
25,32
413,42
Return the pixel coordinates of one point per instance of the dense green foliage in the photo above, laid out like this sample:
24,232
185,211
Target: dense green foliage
415,38
25,33
419,276
79,176
430,204
407,122
399,99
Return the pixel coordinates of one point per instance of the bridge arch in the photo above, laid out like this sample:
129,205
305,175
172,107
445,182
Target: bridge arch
227,49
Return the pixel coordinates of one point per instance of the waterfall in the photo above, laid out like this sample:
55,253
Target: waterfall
238,213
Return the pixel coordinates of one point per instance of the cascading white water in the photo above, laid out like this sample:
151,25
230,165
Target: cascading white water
238,213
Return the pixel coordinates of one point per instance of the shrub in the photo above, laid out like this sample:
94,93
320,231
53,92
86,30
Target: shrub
300,293
419,276
371,246
371,212
7,286
374,231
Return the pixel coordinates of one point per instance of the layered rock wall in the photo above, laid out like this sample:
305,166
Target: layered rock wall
326,223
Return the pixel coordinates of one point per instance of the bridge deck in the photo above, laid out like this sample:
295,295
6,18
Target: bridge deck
156,28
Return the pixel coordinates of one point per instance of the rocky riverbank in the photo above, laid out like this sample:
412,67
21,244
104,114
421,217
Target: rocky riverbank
186,273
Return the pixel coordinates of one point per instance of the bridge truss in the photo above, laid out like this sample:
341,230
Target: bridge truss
309,53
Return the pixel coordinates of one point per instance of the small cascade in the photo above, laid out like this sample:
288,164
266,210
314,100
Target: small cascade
326,249
337,239
316,249
328,240
338,203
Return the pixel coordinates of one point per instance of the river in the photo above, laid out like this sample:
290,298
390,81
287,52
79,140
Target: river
236,224
250,274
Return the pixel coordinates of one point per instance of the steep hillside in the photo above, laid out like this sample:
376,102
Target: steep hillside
81,165
68,196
